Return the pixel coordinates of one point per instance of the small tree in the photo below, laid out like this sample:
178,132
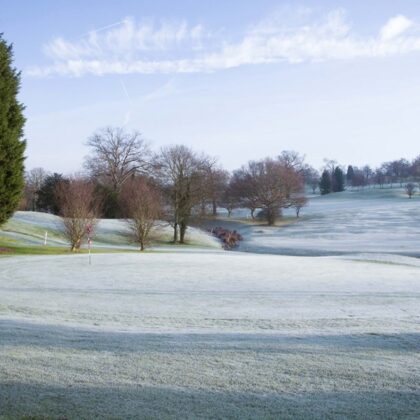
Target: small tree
142,205
298,203
325,182
311,177
78,209
12,145
410,188
229,199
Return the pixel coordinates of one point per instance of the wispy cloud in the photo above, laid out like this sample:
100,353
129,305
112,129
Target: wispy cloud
177,47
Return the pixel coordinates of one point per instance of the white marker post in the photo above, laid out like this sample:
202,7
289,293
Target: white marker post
89,244
45,238
89,230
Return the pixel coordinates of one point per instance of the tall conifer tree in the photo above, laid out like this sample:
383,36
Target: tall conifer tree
325,183
12,145
338,180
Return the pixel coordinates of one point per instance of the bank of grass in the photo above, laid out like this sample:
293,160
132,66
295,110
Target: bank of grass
14,248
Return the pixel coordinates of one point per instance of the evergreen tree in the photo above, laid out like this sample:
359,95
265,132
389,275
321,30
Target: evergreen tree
12,146
338,180
350,174
325,183
47,197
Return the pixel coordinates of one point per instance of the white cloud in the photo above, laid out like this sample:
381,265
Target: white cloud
395,27
178,47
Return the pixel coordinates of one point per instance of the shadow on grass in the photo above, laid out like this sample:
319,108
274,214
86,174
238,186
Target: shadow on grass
19,333
88,385
22,400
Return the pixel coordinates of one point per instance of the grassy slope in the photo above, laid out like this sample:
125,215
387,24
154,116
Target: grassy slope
24,235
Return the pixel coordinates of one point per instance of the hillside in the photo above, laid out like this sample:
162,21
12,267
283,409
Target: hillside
29,228
373,220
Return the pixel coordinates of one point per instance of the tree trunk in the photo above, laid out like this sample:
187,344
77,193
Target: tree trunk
214,208
183,229
175,233
272,214
203,208
252,214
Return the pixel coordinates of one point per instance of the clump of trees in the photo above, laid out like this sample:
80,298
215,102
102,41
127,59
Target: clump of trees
269,185
400,172
180,172
332,179
12,145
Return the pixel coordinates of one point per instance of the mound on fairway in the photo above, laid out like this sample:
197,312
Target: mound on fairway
209,335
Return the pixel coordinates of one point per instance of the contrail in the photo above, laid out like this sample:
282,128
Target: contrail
127,116
112,25
125,90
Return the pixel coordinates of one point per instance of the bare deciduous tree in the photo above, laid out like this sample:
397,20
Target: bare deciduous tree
242,191
410,188
34,179
214,183
180,171
78,209
116,154
269,185
291,159
229,200
311,177
142,205
297,203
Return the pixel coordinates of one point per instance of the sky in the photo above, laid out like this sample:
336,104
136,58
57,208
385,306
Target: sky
236,79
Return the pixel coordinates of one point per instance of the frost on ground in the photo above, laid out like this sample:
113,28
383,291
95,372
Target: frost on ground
374,220
210,334
29,228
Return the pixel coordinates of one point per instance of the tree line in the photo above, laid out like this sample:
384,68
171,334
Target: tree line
123,178
400,172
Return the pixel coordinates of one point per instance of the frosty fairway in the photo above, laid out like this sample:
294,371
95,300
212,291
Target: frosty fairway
156,333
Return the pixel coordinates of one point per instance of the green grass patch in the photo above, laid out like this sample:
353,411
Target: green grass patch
11,249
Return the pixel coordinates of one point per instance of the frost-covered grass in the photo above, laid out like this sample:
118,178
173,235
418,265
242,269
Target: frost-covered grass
370,220
210,334
24,234
196,332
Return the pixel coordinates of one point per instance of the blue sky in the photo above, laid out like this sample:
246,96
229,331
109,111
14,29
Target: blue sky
237,79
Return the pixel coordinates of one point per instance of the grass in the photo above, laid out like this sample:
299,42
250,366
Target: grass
13,247
179,336
10,249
